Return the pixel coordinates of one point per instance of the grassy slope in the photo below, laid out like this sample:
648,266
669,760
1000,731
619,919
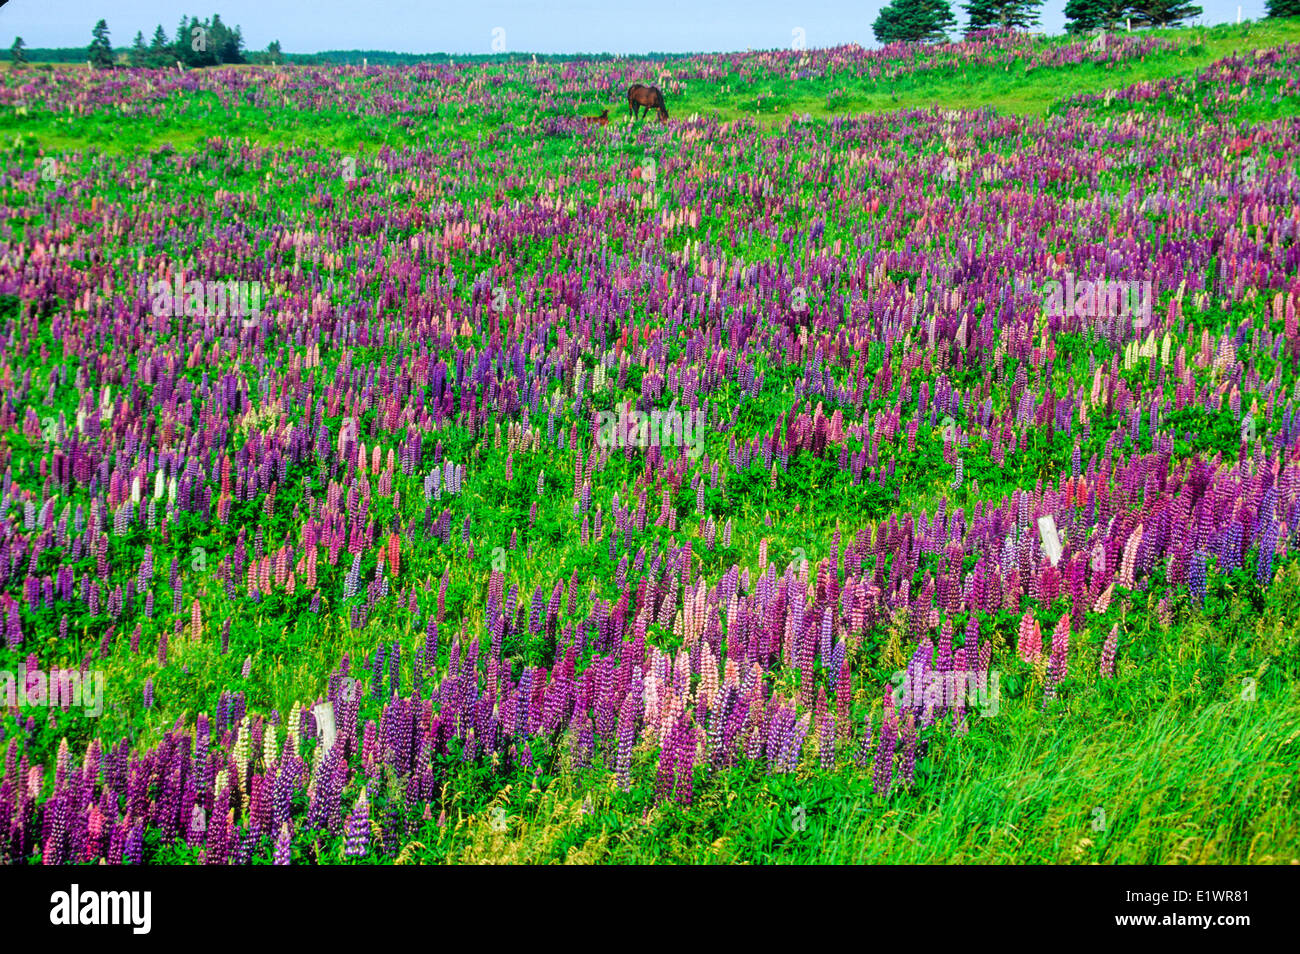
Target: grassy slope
1175,761
1014,91
1010,91
1192,755
1183,764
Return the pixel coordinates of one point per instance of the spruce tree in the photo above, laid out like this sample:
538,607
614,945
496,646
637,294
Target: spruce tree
181,44
17,58
1085,16
1283,8
139,52
100,51
229,42
1001,14
160,53
1163,12
914,21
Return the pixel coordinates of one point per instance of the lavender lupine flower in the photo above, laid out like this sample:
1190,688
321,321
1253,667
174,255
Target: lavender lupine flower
283,846
134,850
352,581
1267,549
1196,576
357,828
13,627
626,741
826,742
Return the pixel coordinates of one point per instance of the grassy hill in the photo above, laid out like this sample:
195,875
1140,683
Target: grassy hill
1188,755
769,101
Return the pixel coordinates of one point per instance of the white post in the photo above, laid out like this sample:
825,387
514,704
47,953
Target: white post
1239,15
364,62
1128,22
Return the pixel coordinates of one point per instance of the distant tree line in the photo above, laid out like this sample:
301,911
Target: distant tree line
920,21
197,43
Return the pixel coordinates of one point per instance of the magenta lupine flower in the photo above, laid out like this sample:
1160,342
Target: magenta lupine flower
1108,652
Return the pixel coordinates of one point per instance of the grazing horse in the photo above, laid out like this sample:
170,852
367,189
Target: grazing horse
602,119
639,95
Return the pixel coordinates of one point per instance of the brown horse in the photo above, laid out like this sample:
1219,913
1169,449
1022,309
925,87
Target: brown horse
602,119
639,95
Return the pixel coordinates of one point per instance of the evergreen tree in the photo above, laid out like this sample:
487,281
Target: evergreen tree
100,51
181,44
1085,16
218,36
1163,12
227,43
139,52
273,52
160,54
913,21
1283,8
1001,14
17,58
201,43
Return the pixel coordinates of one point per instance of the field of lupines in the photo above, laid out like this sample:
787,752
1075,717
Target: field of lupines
707,490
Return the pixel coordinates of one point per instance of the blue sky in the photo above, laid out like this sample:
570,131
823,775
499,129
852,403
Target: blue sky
550,26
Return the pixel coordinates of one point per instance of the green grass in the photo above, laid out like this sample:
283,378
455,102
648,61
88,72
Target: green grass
1010,91
1178,760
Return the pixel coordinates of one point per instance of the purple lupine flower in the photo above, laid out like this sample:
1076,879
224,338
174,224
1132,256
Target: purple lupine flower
884,764
357,828
1196,573
684,789
1267,549
1108,652
864,748
907,764
283,846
